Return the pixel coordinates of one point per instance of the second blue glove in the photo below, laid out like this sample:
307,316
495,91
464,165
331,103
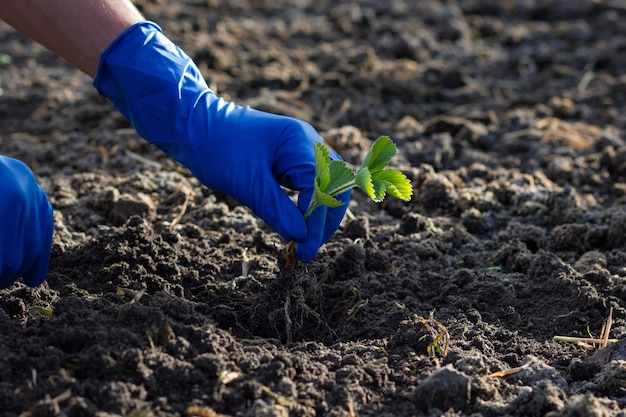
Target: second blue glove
27,225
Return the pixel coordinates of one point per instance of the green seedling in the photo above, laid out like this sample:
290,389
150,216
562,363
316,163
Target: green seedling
333,178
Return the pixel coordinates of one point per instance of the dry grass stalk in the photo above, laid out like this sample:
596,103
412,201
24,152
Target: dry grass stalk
506,372
182,210
601,342
606,329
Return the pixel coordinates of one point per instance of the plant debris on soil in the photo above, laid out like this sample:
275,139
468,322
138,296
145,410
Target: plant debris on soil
166,299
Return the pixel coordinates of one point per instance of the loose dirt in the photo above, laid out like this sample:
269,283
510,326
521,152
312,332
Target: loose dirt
509,117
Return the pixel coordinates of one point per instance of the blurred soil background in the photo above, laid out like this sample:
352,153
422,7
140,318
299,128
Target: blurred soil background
166,299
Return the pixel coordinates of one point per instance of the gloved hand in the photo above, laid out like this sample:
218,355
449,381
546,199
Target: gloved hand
235,150
27,225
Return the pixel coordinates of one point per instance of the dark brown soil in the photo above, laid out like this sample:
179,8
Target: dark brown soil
509,117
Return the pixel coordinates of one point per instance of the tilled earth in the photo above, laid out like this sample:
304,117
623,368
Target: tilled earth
167,299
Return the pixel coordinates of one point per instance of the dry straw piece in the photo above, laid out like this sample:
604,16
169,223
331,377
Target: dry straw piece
601,342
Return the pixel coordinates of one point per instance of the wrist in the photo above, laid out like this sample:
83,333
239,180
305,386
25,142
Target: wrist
132,37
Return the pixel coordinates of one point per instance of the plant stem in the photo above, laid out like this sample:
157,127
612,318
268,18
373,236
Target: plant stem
314,204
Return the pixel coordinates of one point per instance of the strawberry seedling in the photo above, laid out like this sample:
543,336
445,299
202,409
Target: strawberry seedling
335,177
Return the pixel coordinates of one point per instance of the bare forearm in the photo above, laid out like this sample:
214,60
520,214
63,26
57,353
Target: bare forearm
77,30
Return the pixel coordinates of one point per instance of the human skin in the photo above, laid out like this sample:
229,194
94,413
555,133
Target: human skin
77,30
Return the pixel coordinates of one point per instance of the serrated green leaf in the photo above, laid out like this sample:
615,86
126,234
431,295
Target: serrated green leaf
364,182
334,177
379,154
380,189
325,199
341,177
322,166
393,182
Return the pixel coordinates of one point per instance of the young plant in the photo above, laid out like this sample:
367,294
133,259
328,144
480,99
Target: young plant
335,177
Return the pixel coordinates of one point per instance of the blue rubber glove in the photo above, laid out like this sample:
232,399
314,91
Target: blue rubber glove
27,225
239,151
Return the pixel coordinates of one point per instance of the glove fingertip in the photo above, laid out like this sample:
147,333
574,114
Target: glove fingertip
335,216
306,252
294,229
272,204
307,249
